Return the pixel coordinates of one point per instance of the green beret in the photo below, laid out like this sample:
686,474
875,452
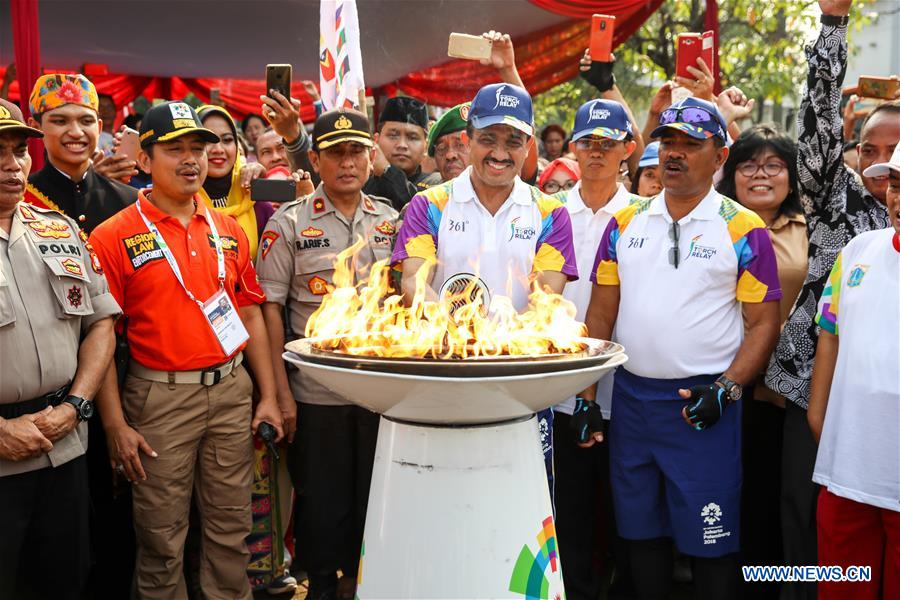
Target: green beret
451,121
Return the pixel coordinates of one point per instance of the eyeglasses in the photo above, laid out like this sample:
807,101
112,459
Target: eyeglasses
688,114
551,187
587,143
750,168
441,150
674,233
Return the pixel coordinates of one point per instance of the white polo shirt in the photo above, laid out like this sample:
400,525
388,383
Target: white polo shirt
531,232
685,321
859,453
587,229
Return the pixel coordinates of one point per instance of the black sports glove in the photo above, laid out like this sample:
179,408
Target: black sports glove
706,406
600,75
586,420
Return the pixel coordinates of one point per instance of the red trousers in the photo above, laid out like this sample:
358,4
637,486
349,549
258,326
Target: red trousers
852,533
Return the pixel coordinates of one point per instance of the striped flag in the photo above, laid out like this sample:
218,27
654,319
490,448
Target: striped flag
340,61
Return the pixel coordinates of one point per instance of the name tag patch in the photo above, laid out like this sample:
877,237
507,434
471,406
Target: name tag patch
58,249
315,243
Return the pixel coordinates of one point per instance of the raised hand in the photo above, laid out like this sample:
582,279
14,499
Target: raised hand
837,8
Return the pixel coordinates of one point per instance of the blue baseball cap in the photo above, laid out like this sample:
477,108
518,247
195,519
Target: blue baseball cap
502,104
650,157
603,118
697,118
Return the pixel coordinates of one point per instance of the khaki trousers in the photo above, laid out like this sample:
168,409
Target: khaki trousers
202,435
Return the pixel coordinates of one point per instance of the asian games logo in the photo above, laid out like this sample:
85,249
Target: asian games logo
711,513
505,100
519,233
538,576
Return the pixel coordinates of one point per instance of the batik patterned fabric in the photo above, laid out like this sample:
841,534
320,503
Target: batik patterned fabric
260,542
55,90
837,206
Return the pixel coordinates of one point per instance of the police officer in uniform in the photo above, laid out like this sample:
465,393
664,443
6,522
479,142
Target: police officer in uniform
331,458
56,343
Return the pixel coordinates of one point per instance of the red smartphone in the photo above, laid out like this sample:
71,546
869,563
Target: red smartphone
602,27
690,47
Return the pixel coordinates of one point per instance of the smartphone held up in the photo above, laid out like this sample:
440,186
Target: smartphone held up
691,46
469,47
602,27
278,78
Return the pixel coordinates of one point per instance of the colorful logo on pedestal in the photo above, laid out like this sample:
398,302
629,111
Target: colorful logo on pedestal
530,576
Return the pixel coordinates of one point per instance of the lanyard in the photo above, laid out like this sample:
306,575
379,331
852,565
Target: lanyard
170,258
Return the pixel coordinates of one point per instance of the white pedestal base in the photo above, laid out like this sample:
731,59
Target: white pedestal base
459,512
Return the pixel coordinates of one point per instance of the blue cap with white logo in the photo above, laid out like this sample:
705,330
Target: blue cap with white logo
697,118
502,104
650,157
603,118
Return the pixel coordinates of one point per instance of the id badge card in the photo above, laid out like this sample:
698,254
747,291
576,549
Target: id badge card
225,322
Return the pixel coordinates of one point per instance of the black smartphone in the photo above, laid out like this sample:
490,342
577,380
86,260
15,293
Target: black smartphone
273,190
278,78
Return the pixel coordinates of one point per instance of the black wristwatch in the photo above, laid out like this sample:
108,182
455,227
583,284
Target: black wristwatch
733,389
835,20
84,409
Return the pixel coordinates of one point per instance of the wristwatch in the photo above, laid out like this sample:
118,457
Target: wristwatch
733,389
84,409
835,20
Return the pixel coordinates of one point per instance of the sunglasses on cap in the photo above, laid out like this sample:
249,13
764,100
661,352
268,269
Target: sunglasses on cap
687,114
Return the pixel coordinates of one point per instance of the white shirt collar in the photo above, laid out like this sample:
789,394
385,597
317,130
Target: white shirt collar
575,204
705,211
464,191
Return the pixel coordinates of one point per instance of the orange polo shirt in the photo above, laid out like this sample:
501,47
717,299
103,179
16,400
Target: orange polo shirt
167,331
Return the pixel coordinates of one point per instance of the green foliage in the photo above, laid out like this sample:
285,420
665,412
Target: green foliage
760,51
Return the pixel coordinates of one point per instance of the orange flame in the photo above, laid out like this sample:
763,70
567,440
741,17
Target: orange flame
365,319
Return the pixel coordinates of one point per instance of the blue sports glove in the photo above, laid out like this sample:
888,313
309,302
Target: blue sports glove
586,420
706,406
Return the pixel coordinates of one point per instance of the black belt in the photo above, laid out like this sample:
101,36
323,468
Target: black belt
27,407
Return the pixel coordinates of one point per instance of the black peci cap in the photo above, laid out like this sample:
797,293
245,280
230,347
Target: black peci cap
404,109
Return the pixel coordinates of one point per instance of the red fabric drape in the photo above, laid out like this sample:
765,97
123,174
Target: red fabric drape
545,58
27,50
711,23
239,95
585,8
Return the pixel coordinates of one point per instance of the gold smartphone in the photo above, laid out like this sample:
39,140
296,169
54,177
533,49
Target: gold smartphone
469,47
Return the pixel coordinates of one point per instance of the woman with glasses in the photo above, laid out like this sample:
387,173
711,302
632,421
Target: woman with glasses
761,174
560,175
